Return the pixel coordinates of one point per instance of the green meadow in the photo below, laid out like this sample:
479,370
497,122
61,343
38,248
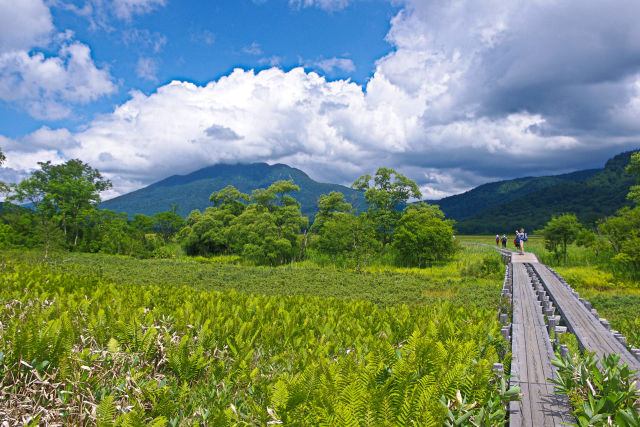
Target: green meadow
187,342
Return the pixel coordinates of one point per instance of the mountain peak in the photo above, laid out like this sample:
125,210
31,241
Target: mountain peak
191,191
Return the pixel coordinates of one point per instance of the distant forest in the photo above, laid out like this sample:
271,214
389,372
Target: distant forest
591,195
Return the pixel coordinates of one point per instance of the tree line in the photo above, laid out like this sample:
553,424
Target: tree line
56,207
268,228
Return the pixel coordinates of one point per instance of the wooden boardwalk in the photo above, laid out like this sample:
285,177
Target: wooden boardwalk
532,354
580,320
531,347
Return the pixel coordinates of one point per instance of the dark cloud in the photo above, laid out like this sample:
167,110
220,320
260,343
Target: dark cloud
570,61
222,133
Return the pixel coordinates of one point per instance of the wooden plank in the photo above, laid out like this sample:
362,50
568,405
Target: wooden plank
531,364
589,332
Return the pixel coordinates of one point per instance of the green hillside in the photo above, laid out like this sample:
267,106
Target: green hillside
486,196
496,207
597,195
192,191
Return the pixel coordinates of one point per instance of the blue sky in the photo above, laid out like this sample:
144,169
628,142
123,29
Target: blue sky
200,41
451,93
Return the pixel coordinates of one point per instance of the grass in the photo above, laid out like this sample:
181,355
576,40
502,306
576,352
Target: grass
473,278
81,350
188,341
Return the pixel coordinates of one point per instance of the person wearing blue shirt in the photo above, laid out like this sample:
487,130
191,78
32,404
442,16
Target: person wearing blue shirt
522,237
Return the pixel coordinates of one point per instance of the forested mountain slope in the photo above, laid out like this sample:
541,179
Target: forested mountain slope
598,195
192,191
496,207
486,196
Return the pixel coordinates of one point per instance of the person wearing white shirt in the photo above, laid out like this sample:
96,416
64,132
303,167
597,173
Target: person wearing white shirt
521,237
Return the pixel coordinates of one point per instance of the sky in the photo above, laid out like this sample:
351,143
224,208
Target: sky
451,93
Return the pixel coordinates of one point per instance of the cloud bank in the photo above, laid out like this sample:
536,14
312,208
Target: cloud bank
46,86
471,92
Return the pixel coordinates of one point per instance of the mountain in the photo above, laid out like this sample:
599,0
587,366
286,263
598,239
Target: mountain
192,191
497,207
465,205
502,206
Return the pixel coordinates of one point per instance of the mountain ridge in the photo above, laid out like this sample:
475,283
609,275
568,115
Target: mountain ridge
191,191
598,195
495,207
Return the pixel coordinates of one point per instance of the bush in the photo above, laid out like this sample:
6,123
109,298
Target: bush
598,395
489,266
163,252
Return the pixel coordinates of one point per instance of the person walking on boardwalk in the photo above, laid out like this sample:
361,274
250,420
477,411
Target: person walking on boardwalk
497,240
522,237
504,241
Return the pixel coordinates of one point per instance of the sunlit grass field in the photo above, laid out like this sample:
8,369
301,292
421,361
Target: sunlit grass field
163,347
472,278
209,340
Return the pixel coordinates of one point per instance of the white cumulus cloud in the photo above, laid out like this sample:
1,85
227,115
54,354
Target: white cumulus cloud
471,92
46,85
24,24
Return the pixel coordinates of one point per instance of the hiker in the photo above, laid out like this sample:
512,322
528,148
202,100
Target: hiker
497,240
504,241
522,237
516,242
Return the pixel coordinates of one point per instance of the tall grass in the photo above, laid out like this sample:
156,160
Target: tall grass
472,278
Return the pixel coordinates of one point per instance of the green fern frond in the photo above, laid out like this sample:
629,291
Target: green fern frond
106,412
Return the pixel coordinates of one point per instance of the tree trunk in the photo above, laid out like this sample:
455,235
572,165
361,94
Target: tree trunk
303,252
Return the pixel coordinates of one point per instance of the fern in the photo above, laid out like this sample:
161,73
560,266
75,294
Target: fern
106,412
279,395
185,363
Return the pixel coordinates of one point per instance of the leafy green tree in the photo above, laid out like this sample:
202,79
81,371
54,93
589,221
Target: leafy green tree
634,169
560,232
385,193
622,233
268,230
142,223
63,194
255,235
423,236
23,226
6,235
264,228
230,199
328,205
425,208
351,237
589,239
618,228
167,224
276,196
206,232
112,233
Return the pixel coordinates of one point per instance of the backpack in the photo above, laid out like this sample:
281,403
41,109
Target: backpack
525,237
